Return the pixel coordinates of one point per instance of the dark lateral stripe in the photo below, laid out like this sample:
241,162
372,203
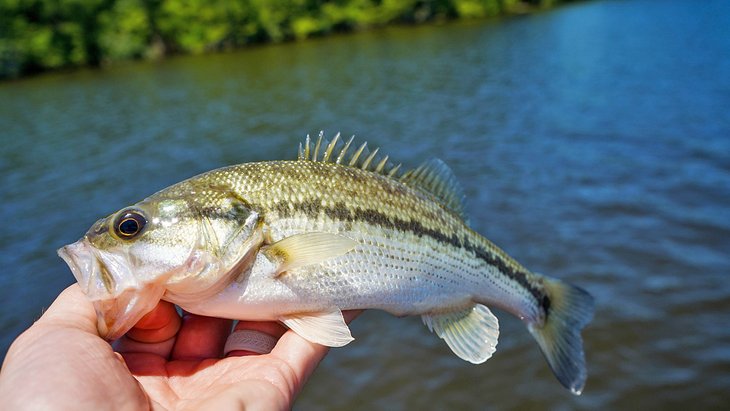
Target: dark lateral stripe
540,296
339,211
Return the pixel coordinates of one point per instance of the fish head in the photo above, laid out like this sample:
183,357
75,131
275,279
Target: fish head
127,261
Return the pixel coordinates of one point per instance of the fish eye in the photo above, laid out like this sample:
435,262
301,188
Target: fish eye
129,224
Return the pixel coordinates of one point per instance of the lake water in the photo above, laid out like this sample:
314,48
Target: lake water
593,143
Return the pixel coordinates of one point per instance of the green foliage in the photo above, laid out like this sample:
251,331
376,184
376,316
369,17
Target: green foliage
125,30
38,35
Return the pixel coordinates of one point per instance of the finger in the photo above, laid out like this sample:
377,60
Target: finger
126,346
350,315
153,334
253,338
201,337
160,324
303,356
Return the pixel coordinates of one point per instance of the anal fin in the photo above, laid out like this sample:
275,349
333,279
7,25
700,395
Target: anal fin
325,328
471,333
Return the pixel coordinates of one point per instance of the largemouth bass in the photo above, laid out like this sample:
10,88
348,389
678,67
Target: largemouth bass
300,241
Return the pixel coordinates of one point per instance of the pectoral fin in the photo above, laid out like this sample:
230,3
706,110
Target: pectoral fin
305,249
325,328
471,333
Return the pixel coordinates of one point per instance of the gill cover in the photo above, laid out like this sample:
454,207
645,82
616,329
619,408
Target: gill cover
229,233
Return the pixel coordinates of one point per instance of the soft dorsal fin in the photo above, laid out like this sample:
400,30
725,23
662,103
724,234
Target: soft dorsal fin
433,177
437,179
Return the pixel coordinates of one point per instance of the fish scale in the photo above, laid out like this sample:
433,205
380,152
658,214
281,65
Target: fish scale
376,195
300,241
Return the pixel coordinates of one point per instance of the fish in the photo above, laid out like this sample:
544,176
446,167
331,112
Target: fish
299,241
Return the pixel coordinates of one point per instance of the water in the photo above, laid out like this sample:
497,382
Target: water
593,143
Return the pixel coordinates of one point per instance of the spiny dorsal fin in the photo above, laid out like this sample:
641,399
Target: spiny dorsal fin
337,152
433,177
437,179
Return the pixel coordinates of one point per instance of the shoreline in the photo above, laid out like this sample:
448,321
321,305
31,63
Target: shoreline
43,41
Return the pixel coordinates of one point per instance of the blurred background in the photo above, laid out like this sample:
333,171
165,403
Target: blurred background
592,141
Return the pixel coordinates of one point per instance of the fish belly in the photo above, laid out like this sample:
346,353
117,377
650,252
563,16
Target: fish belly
389,270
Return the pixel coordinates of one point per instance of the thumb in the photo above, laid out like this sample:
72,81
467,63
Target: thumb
60,362
71,309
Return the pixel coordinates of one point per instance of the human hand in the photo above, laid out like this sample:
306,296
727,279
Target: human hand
165,362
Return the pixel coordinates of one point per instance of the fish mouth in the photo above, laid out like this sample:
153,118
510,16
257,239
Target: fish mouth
116,316
85,267
118,298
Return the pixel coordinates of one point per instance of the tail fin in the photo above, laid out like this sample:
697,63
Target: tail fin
571,308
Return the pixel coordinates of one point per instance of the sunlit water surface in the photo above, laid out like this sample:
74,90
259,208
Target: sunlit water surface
593,143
